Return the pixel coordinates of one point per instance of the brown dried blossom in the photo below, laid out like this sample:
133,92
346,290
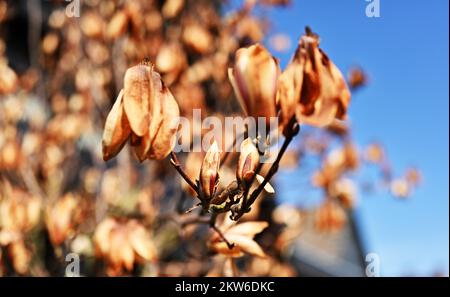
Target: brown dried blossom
145,112
312,86
123,244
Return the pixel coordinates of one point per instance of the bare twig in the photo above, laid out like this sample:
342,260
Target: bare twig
176,164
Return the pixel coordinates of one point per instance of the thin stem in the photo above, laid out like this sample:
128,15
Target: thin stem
212,224
176,164
246,203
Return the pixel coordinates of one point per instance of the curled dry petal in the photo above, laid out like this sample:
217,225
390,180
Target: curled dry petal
248,228
325,95
155,117
209,172
138,89
248,161
117,130
254,80
165,139
289,89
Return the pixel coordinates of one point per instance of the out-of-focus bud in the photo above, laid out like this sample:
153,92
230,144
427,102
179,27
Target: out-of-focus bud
117,25
20,211
198,38
59,218
254,80
357,78
209,173
8,79
400,188
92,24
248,161
345,191
329,217
50,43
172,8
117,130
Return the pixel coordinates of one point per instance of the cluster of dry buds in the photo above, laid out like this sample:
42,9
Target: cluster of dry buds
311,90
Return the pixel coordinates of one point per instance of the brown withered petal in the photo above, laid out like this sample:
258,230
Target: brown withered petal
117,129
248,161
325,95
289,89
246,244
102,234
209,172
138,89
165,139
121,252
248,228
155,116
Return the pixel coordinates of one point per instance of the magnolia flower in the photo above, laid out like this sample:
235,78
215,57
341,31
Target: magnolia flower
123,244
209,172
312,87
145,112
248,161
254,80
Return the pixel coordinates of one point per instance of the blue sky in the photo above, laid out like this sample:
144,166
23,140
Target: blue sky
405,106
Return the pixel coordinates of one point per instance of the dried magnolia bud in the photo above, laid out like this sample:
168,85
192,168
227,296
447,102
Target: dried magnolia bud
117,130
254,80
248,161
209,172
198,38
